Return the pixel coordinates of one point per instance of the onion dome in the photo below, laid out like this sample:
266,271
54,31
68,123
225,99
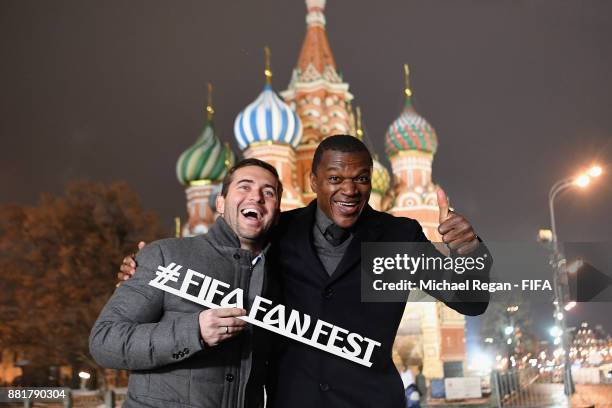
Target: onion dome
410,131
268,118
208,158
381,179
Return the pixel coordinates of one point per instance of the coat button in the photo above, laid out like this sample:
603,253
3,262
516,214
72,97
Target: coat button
324,387
236,256
229,377
328,293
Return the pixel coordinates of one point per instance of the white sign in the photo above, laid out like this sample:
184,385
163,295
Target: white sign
595,358
214,294
586,375
462,388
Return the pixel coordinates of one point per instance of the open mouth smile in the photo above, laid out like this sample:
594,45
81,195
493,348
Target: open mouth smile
347,208
252,214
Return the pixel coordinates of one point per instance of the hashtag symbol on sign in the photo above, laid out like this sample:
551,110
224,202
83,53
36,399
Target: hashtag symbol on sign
167,273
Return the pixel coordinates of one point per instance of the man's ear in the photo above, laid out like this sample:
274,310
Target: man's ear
313,182
220,204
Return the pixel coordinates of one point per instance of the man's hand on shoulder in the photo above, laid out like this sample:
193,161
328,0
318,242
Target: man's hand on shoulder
456,230
217,325
128,266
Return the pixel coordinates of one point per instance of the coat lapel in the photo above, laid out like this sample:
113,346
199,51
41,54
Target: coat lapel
367,229
304,226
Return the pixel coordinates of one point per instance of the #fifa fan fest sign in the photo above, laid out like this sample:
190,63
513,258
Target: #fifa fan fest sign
214,294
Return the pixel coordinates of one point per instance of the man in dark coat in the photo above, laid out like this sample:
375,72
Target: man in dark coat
318,249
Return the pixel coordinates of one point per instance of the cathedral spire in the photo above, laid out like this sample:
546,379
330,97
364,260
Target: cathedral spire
358,125
268,69
317,93
210,111
315,49
407,88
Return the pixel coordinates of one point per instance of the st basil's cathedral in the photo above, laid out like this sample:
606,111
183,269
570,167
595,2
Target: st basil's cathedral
285,128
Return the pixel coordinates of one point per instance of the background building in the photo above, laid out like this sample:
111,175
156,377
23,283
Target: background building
285,132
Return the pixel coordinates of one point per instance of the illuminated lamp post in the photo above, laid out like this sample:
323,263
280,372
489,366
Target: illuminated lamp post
558,264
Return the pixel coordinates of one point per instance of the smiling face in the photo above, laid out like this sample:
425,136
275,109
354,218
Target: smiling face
342,181
251,205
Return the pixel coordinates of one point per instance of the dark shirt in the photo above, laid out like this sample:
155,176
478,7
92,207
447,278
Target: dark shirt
329,255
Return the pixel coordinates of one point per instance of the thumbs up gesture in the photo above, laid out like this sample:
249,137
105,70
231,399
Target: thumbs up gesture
455,229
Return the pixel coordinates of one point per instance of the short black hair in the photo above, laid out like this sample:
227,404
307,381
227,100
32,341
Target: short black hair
227,180
339,143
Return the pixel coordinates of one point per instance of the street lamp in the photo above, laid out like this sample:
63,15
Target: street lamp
595,171
510,331
582,180
569,306
558,263
84,376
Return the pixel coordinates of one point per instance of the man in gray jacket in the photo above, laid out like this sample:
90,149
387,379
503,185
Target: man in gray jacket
181,354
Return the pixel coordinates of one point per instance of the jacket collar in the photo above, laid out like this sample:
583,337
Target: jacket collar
221,234
303,228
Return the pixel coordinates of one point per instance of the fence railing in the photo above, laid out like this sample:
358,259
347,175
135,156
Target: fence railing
525,388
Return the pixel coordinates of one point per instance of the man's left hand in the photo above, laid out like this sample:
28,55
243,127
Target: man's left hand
456,230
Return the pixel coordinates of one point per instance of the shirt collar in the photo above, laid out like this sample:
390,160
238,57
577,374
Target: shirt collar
322,221
261,255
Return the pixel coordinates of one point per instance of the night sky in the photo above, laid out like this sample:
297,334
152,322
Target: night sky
520,93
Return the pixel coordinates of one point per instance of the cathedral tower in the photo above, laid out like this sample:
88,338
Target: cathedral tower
317,93
435,329
201,169
411,143
269,130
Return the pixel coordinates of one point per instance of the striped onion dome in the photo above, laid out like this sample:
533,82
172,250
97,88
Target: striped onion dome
268,118
381,180
410,131
207,159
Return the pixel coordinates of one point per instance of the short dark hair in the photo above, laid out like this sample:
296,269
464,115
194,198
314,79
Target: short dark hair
339,143
227,180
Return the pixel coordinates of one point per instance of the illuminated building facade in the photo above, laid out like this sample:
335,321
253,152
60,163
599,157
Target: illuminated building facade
286,132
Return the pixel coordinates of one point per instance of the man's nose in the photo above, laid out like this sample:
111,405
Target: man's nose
257,196
349,187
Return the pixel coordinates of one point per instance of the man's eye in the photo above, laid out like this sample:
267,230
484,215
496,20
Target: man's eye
363,179
243,187
334,179
269,193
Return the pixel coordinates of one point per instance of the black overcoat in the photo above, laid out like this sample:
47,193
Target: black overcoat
310,378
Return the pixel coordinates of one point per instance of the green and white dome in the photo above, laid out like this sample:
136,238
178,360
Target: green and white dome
207,159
